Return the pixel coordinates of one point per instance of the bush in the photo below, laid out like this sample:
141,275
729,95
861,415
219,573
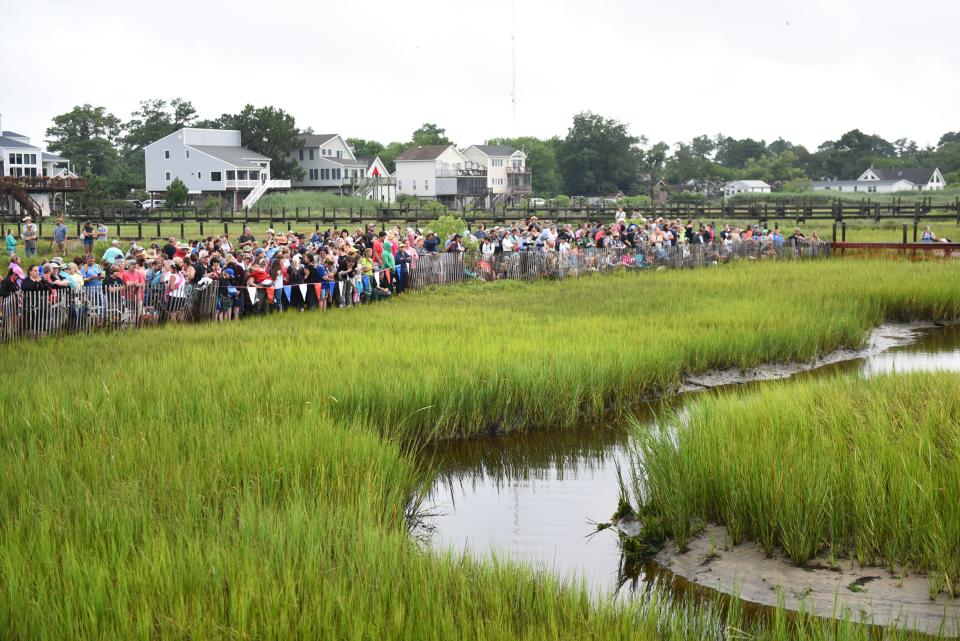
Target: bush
213,203
640,200
692,197
561,201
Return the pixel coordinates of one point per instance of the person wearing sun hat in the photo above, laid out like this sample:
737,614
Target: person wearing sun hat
29,236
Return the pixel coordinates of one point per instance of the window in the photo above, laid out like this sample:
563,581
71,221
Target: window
399,185
199,175
414,185
241,175
19,159
231,174
311,154
12,156
166,176
215,176
426,184
166,154
254,175
339,154
301,154
186,154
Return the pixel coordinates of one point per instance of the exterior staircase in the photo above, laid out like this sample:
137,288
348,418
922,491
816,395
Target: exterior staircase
255,195
29,205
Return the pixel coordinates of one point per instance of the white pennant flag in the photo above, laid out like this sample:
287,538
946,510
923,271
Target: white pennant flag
341,288
252,292
303,292
376,277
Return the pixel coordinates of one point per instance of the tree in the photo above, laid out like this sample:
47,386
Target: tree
87,136
541,161
365,148
268,131
854,152
155,119
598,156
176,193
390,153
735,153
430,134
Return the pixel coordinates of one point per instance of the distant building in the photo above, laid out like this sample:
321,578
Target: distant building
885,181
508,177
30,178
442,172
210,162
329,164
745,187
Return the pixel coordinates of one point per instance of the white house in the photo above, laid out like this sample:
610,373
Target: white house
329,164
863,186
210,161
507,174
745,187
30,177
442,172
922,179
885,181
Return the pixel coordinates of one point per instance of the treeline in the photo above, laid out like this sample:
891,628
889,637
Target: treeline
597,156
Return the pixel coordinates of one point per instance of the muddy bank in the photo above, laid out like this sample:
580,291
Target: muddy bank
822,587
884,338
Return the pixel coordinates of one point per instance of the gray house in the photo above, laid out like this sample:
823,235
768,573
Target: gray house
329,164
210,161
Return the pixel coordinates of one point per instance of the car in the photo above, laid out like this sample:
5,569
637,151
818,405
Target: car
536,202
133,203
153,204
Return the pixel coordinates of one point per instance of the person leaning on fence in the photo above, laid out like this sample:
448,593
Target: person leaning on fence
87,236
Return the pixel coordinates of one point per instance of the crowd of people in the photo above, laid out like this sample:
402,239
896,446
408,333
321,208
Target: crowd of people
280,271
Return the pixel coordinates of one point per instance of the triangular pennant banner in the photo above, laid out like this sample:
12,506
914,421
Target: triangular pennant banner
270,293
341,288
286,293
376,277
252,292
388,276
316,289
303,291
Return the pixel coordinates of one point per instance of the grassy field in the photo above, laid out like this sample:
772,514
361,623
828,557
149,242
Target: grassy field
850,467
251,479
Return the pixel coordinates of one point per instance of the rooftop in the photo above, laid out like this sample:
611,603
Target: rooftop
496,150
237,156
315,140
423,152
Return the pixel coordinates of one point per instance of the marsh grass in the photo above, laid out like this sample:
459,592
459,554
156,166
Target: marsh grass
251,479
850,467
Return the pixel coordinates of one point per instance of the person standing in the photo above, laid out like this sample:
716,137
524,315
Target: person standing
11,243
87,236
60,237
29,236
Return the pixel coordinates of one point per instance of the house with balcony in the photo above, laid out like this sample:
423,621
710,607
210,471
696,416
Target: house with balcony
329,164
210,162
444,173
31,178
508,177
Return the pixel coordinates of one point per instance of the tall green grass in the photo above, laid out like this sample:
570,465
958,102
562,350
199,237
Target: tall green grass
314,199
251,479
865,468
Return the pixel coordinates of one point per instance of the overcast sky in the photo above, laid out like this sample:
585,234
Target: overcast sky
807,70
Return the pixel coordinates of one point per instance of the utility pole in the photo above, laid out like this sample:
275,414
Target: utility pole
513,45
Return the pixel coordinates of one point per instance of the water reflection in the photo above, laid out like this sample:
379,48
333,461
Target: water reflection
536,498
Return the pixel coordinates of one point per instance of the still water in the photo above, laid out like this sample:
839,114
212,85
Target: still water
536,498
